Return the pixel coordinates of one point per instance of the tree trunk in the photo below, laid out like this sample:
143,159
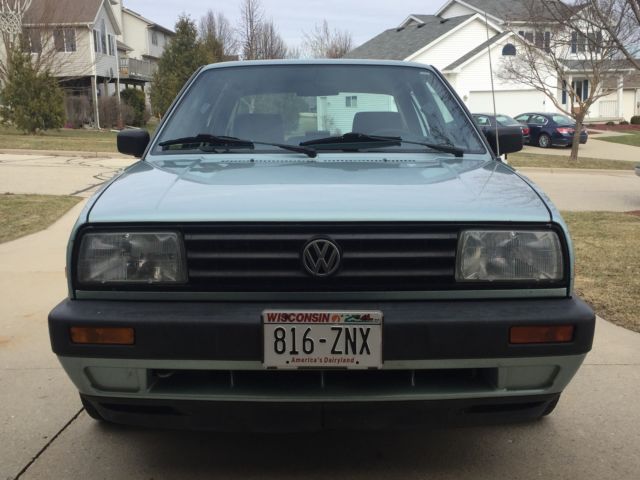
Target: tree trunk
575,146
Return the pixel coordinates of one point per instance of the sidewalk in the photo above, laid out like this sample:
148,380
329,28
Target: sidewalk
593,149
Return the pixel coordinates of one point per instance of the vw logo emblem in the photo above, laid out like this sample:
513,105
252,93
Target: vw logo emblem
321,258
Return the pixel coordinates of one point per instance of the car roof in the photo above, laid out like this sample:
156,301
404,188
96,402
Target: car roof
381,63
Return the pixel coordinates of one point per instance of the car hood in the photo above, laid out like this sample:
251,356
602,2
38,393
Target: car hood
257,191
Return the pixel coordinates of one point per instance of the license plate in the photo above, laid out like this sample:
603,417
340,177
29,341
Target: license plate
312,339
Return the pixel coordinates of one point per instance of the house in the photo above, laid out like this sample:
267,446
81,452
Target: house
142,43
467,40
94,47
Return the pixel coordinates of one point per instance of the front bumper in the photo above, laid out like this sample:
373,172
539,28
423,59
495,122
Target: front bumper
191,358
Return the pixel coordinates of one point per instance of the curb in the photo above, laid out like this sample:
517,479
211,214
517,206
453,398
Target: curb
574,170
62,153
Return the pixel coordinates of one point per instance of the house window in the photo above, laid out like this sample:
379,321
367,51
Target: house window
539,41
509,50
34,40
543,40
154,38
578,43
96,41
103,37
64,40
112,46
547,41
351,101
564,92
581,89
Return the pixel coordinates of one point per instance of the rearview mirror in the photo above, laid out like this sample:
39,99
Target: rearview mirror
509,139
133,142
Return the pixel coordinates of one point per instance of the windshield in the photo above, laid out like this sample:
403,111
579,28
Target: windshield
563,120
296,104
506,121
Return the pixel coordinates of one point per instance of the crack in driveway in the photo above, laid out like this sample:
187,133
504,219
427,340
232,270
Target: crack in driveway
48,444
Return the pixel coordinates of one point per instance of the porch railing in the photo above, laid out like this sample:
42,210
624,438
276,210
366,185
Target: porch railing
136,69
608,109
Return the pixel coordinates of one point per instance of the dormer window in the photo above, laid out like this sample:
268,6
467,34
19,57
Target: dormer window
509,50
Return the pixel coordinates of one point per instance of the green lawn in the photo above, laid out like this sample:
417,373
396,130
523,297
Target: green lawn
64,139
633,139
556,161
608,263
22,215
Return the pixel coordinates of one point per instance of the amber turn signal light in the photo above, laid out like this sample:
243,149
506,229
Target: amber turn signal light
546,334
102,335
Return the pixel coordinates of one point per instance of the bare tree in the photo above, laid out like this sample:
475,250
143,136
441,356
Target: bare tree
218,36
621,19
270,43
251,20
562,47
323,42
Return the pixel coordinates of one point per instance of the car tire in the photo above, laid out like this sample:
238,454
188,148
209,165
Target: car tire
91,410
544,141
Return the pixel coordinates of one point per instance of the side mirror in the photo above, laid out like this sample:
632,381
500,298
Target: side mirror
509,139
133,142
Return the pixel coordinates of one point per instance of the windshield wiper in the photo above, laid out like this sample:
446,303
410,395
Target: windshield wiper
233,142
354,141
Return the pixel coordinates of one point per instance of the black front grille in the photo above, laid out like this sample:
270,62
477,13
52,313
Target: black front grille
269,258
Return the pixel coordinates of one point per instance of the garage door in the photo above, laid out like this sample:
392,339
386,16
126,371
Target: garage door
510,103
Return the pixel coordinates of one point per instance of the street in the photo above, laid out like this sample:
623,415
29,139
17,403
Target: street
593,433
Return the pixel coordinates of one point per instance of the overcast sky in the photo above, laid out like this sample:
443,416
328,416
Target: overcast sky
363,18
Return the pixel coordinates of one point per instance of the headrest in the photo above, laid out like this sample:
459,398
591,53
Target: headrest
371,122
265,127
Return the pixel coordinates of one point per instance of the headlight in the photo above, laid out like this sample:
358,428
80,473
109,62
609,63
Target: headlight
495,256
136,257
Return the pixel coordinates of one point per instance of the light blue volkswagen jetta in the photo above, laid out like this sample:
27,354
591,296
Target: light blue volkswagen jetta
319,245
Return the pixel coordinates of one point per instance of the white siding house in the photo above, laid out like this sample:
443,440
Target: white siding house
336,113
465,40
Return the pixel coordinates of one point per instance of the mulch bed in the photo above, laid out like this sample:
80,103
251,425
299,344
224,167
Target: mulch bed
615,128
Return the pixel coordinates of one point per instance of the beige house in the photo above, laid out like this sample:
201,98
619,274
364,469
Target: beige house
141,44
94,47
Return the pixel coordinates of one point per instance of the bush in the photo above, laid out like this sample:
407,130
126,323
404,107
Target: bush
108,111
78,110
33,100
635,120
136,101
624,122
610,124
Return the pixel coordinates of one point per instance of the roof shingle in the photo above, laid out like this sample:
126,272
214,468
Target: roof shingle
62,12
400,43
477,50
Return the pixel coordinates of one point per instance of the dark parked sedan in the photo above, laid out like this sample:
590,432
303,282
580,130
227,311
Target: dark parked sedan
486,121
551,129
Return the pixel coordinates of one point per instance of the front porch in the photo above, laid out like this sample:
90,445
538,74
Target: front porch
621,103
